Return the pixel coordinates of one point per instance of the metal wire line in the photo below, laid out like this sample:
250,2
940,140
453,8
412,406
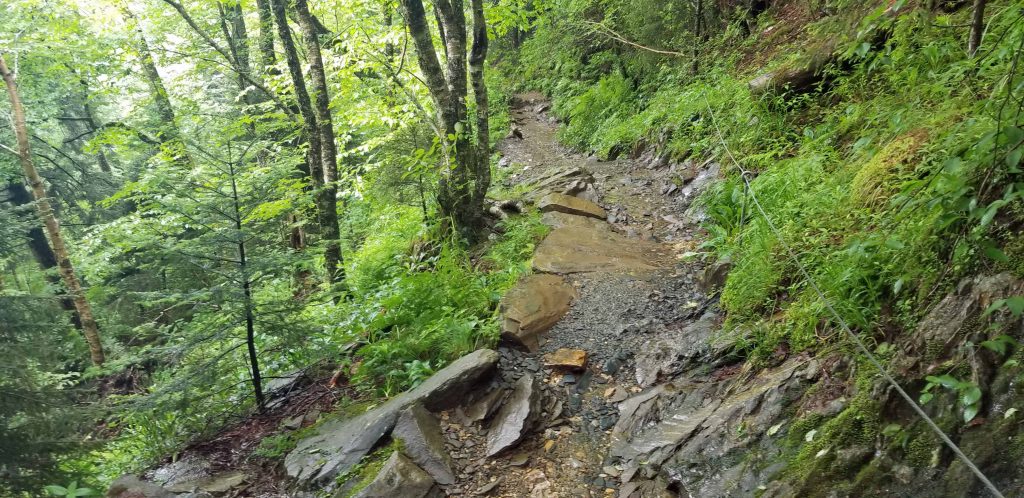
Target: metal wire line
745,175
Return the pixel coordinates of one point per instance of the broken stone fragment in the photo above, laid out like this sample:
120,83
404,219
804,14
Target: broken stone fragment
516,417
568,204
400,477
420,434
532,307
569,359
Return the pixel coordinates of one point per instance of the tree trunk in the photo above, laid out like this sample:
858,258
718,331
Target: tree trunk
326,200
330,230
477,57
977,27
233,25
89,327
41,251
249,315
461,177
266,35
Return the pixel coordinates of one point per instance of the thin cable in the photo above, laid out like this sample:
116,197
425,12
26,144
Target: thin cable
856,339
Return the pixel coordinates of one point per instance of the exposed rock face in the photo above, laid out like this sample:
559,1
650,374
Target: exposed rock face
220,483
570,205
578,249
516,417
675,352
400,477
569,359
555,219
532,307
129,486
691,431
715,275
421,438
338,445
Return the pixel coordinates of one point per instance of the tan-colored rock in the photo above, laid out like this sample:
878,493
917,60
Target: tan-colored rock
580,250
570,359
570,205
555,219
532,307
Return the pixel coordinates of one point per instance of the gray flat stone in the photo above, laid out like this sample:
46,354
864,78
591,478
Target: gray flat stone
516,417
423,443
339,444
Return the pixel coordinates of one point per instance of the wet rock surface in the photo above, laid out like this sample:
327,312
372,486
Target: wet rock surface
532,307
567,204
420,435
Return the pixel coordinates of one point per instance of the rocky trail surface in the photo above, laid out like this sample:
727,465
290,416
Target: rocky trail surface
611,378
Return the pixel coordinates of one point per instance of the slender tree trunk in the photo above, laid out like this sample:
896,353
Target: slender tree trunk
266,36
41,250
477,57
250,320
326,200
460,179
977,27
89,327
330,230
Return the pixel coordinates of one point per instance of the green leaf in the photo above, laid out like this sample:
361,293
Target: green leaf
971,395
1016,305
894,243
897,287
997,346
996,254
970,412
1009,413
925,398
947,381
56,490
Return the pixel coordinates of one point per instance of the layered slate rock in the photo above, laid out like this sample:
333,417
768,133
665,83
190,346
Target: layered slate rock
517,415
568,204
400,477
339,444
581,250
422,441
688,431
576,182
532,307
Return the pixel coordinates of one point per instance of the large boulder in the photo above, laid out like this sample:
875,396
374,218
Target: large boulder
580,250
576,182
517,416
532,307
421,438
338,445
400,477
568,204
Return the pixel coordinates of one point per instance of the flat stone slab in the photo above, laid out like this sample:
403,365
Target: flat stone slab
568,204
339,444
532,307
581,250
555,219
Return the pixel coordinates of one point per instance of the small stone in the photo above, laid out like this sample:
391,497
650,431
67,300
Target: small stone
568,379
519,459
571,359
612,366
292,423
548,445
487,488
611,470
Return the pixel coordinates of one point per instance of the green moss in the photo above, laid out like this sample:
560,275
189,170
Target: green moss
360,476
